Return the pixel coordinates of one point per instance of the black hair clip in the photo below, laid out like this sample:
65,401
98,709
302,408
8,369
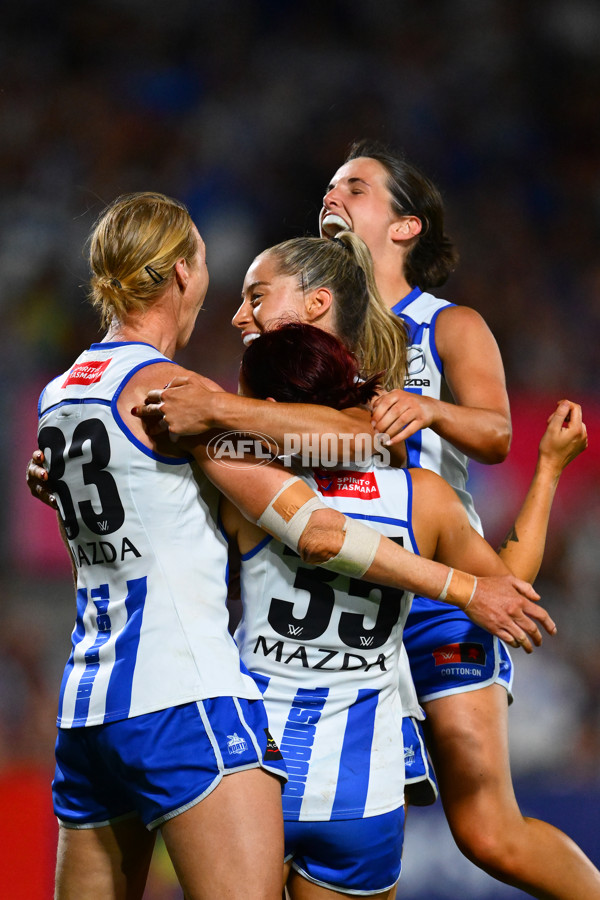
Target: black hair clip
343,244
154,275
116,283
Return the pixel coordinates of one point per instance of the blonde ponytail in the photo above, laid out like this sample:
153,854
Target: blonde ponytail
382,345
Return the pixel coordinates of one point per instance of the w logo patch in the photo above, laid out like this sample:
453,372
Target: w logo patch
465,652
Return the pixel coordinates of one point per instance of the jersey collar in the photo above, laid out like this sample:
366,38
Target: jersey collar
402,304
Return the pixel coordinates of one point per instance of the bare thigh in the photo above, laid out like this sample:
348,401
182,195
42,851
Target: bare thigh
231,841
110,862
467,736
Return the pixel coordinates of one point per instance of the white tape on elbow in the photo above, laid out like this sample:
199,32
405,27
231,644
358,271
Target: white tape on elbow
287,516
357,552
288,513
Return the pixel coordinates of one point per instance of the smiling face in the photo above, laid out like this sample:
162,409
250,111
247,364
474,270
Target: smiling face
268,297
358,200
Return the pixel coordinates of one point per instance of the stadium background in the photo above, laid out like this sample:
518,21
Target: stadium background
244,109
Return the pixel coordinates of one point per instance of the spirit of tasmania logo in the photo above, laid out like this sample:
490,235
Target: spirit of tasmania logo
346,483
86,373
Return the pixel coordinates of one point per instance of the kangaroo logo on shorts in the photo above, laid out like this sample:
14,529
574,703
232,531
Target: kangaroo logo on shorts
272,750
236,744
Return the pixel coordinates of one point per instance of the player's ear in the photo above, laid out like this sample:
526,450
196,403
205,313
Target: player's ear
182,273
317,303
405,228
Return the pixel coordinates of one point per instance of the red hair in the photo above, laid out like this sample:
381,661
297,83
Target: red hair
300,363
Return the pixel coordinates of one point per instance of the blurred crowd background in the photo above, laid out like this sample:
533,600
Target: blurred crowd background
244,109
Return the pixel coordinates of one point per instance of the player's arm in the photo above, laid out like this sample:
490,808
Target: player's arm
191,405
478,422
443,531
288,509
326,537
564,439
292,512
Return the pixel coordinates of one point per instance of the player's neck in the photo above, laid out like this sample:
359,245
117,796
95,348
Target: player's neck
148,328
391,283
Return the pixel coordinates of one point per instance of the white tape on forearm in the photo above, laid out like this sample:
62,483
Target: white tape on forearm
357,552
472,594
444,592
459,589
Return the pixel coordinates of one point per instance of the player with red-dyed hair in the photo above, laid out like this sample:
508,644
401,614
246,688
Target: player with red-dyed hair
325,651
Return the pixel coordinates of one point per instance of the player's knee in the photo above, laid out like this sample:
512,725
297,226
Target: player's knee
322,537
487,848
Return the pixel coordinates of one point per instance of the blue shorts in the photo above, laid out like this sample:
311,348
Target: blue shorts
449,654
160,764
420,784
353,856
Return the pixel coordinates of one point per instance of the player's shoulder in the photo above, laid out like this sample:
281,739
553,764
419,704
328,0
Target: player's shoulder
154,373
455,317
430,488
422,305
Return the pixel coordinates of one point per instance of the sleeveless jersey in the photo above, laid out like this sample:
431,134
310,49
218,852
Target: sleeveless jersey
426,449
324,649
151,626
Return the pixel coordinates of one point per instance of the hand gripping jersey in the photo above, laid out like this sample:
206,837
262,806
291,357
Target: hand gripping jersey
325,650
427,449
151,627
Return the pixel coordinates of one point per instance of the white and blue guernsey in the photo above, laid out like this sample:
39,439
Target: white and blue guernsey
151,627
325,650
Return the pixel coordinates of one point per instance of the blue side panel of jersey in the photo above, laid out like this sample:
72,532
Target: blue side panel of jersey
432,345
100,599
351,792
76,638
118,694
296,745
416,333
413,451
262,681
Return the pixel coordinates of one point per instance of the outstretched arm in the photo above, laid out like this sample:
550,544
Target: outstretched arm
478,422
502,603
564,439
443,532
